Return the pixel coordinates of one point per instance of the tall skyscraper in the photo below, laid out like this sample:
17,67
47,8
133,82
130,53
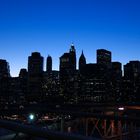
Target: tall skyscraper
132,70
49,64
103,57
65,63
131,82
72,55
4,69
35,64
116,71
35,76
116,79
68,62
23,77
104,72
4,81
82,61
67,73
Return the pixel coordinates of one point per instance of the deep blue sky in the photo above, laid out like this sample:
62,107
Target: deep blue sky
50,26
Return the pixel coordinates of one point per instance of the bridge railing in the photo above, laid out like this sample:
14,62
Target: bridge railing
35,131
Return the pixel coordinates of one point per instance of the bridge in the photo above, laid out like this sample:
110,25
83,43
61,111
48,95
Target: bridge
107,123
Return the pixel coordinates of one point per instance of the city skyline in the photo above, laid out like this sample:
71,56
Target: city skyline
45,59
50,26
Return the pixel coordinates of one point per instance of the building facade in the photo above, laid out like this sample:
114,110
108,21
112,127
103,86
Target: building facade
35,76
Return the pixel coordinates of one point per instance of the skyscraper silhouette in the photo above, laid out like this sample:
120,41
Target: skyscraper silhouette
35,76
103,57
72,55
49,64
4,81
4,68
68,63
82,61
67,73
131,81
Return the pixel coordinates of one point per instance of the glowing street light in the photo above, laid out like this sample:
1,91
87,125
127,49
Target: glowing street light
121,108
31,117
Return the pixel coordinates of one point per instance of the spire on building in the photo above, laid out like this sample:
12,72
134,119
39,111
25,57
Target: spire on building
82,61
72,54
72,49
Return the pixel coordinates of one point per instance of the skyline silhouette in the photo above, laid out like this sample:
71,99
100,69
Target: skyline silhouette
45,66
102,81
49,27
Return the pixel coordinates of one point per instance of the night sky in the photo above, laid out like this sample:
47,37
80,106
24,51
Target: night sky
50,26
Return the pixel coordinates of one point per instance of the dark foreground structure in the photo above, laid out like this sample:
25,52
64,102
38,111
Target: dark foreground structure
102,123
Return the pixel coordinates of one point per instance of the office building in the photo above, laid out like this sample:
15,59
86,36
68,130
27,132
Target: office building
35,76
104,57
49,64
4,69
